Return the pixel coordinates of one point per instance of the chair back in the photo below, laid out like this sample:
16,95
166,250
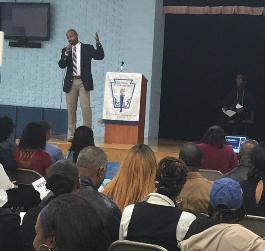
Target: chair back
125,245
254,223
211,174
24,176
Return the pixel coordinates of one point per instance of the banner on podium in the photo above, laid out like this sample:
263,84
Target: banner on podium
122,96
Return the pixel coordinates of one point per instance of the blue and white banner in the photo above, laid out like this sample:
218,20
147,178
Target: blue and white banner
122,96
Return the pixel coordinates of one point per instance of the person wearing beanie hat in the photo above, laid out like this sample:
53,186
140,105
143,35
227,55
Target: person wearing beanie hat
226,200
62,178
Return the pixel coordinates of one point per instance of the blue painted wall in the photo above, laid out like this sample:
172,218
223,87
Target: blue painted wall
130,30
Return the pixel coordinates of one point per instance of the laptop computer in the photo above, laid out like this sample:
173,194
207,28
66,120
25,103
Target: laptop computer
235,142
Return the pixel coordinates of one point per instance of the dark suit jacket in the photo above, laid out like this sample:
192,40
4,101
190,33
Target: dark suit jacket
87,53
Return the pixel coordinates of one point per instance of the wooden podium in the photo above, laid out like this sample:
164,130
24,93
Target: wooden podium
128,132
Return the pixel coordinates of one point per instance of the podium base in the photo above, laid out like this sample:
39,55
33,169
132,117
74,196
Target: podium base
123,134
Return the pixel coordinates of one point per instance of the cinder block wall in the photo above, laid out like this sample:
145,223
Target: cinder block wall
31,77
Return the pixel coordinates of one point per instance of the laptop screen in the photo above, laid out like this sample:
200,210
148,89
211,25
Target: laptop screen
235,142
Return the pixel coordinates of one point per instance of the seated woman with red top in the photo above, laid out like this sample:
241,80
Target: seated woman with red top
216,154
30,153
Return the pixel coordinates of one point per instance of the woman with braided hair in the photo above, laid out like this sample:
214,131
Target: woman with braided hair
157,219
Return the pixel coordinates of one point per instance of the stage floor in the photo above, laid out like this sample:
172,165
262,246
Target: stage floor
116,152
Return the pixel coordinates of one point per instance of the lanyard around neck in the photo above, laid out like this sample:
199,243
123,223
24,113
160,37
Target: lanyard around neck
242,98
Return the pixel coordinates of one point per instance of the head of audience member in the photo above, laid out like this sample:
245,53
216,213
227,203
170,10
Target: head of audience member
33,137
191,154
83,137
214,136
170,177
92,163
257,157
48,129
72,36
135,178
246,148
240,81
226,199
6,128
69,223
62,177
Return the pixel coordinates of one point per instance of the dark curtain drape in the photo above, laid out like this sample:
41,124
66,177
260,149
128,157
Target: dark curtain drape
202,54
252,3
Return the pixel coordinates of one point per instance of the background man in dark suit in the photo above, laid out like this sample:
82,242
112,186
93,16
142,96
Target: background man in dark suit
78,80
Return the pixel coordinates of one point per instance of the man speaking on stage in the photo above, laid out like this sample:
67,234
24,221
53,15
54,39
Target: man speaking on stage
78,81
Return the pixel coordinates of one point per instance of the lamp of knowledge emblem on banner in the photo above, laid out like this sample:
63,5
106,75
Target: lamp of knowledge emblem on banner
122,96
122,93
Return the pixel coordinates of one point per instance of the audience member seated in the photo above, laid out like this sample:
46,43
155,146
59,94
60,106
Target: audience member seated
253,187
216,154
157,219
7,146
92,164
62,178
54,151
20,197
135,178
70,223
240,173
9,227
226,200
83,137
30,153
195,194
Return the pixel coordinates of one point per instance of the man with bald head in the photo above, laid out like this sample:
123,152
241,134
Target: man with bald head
92,165
240,173
78,82
195,194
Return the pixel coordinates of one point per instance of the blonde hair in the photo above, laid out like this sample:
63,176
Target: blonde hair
135,178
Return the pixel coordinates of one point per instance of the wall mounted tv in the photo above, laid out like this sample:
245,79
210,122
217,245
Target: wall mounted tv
25,21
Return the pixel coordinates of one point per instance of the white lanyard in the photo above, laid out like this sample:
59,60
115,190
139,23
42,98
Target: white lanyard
242,99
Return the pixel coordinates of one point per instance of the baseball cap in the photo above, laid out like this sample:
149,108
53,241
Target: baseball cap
226,195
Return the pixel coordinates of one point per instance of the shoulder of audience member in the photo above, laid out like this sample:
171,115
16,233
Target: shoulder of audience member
103,200
201,223
9,217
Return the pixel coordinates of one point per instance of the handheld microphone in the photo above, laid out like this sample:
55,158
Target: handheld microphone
121,68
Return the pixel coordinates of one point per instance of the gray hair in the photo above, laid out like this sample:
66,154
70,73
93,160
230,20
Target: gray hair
247,147
91,157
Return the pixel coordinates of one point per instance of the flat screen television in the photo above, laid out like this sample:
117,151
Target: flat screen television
25,21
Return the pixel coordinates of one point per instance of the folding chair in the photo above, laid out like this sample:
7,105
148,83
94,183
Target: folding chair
254,223
211,174
125,245
24,176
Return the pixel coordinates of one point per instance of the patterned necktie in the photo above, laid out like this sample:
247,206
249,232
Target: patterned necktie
74,62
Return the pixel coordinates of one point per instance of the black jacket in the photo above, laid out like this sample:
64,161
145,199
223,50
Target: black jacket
87,53
109,211
9,231
28,224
